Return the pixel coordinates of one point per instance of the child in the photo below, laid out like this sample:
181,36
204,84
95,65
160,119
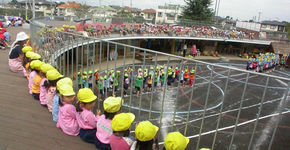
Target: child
177,71
90,80
37,80
155,79
106,84
86,118
146,136
85,84
163,77
138,81
79,77
149,82
120,139
112,106
169,79
186,76
101,87
26,59
31,75
53,76
182,77
43,91
126,83
56,98
67,121
175,140
191,77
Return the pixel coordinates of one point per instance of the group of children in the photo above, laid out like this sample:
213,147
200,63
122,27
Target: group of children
142,78
99,30
267,62
110,130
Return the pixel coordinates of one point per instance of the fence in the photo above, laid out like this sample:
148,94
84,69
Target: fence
225,108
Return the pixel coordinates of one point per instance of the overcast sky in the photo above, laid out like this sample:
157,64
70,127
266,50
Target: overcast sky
241,9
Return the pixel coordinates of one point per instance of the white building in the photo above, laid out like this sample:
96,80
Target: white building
47,7
168,14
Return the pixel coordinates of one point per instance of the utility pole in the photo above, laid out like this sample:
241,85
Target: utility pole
26,8
51,9
131,4
259,16
218,8
100,3
33,9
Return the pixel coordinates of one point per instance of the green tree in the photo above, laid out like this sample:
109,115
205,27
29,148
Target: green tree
288,30
13,2
197,10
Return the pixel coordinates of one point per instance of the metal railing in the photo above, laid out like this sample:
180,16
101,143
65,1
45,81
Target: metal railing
225,108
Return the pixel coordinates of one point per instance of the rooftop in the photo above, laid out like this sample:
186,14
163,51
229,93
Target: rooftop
70,5
277,23
152,11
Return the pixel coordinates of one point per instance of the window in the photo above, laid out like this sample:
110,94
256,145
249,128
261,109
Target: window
264,26
272,27
280,28
159,14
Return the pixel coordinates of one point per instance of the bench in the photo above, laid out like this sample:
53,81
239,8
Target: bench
140,56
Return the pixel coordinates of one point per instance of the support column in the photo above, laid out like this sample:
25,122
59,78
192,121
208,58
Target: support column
172,46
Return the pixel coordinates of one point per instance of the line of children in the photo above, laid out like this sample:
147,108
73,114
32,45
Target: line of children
109,131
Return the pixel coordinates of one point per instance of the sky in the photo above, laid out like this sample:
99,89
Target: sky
238,9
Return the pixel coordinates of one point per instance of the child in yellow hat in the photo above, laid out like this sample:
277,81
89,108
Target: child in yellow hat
85,117
121,124
146,136
56,100
67,120
175,141
43,91
52,77
112,106
36,79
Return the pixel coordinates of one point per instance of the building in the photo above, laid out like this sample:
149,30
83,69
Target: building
102,13
168,14
44,6
67,10
133,11
274,26
274,30
149,15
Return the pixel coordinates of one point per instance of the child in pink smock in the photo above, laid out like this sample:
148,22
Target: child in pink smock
112,106
85,117
67,121
120,139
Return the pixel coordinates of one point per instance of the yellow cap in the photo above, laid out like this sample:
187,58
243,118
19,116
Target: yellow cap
175,141
112,104
122,121
26,49
86,95
35,56
66,90
29,54
46,67
63,81
35,64
53,75
204,149
145,131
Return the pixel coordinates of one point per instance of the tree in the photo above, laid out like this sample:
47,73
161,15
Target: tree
13,2
197,10
288,30
81,11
